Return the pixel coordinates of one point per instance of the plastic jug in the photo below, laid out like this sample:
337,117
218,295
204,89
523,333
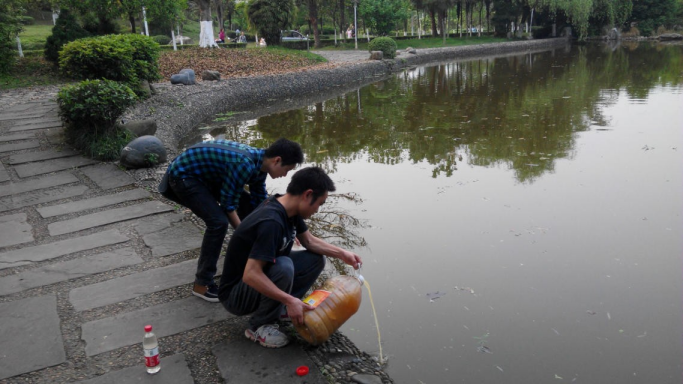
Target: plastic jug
336,301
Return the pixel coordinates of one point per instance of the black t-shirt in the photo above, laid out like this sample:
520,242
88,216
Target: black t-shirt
263,235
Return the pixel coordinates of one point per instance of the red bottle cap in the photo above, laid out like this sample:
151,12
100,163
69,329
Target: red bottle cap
303,370
148,328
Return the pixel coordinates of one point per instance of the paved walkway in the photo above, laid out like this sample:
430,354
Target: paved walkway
88,256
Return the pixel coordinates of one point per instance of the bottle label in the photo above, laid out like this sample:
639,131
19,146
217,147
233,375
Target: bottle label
152,357
316,297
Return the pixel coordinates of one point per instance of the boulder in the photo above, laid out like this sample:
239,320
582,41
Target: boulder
670,36
190,73
140,127
143,152
411,50
182,78
211,75
376,55
613,34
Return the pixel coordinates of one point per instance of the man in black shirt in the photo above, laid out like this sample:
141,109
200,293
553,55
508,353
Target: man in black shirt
261,275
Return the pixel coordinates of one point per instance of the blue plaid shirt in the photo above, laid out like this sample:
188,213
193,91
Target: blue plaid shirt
224,170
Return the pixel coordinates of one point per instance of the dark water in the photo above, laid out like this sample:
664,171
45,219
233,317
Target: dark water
522,216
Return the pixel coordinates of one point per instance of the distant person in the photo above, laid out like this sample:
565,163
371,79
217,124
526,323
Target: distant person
222,36
242,38
262,42
349,32
209,178
262,276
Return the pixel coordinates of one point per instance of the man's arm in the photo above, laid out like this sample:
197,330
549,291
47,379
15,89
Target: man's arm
255,277
321,247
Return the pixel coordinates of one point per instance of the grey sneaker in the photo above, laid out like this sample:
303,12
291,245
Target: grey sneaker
268,336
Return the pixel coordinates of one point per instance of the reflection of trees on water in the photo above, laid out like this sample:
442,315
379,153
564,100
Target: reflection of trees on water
517,111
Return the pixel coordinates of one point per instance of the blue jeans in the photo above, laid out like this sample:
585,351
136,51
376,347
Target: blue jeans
193,194
293,274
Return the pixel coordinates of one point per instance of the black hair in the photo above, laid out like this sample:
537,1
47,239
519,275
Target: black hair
289,151
313,178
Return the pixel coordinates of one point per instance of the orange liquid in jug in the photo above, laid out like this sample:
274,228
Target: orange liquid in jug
336,301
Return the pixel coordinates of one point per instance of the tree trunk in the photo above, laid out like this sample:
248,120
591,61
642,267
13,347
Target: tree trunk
219,14
343,23
206,37
434,22
313,20
131,18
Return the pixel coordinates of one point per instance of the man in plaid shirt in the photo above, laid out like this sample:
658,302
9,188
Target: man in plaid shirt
210,178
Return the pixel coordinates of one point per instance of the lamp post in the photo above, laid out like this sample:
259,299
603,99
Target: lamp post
356,29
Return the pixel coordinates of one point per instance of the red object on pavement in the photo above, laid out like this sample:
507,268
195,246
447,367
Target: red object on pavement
303,370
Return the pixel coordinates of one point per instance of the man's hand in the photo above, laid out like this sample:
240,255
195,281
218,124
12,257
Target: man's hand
296,309
351,258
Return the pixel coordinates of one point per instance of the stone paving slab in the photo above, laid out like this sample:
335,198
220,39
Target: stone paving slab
42,252
19,146
108,176
22,115
14,229
40,156
96,202
17,136
4,175
156,223
55,135
42,196
174,370
180,238
135,285
33,185
243,361
67,270
107,217
168,319
30,127
42,167
38,342
51,118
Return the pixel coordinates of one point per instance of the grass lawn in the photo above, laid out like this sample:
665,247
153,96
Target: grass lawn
34,36
425,42
31,71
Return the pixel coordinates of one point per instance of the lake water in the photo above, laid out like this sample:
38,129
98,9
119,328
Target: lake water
520,218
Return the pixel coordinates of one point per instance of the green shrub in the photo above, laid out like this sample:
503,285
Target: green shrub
127,58
385,44
90,110
26,20
161,39
65,30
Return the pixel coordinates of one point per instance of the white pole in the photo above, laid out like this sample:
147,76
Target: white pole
356,29
173,38
55,15
147,31
21,53
420,26
336,36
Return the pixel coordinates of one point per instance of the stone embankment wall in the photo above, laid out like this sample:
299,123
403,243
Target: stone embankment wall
178,109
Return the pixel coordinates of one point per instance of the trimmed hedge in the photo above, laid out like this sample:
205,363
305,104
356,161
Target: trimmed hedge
385,44
127,58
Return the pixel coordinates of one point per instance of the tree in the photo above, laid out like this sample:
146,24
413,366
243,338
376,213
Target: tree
651,14
10,10
65,30
383,15
269,17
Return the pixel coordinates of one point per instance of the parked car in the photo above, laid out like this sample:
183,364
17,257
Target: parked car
292,36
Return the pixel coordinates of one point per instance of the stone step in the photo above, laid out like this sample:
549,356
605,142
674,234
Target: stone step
31,127
33,185
282,363
17,136
108,176
135,285
42,196
179,238
96,202
170,318
42,167
68,270
14,229
107,217
174,370
48,251
4,175
24,115
19,146
40,156
38,339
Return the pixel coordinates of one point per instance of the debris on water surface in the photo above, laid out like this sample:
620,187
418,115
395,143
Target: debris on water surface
499,368
434,295
556,332
558,377
484,349
608,315
591,312
468,289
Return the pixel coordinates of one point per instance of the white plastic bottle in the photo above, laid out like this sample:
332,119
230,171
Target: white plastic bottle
151,349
